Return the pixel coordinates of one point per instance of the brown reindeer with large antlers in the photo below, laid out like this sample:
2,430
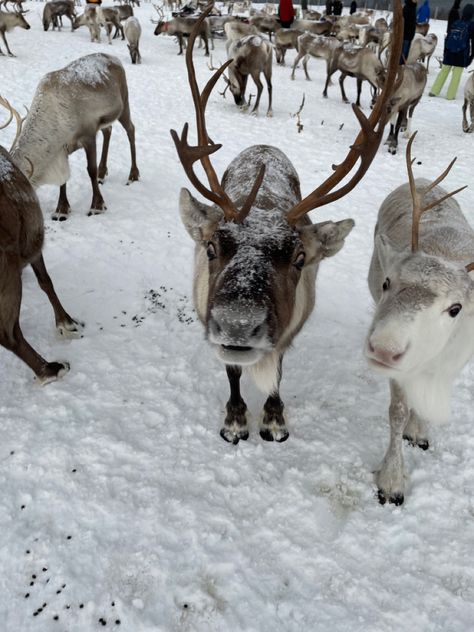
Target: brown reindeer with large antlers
257,255
21,241
422,333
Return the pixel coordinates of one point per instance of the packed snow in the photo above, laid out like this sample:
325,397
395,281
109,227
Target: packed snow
121,504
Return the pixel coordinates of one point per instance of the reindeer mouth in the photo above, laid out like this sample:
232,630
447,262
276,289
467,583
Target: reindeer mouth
239,356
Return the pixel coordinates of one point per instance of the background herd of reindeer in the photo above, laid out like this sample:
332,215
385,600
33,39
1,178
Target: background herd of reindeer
254,289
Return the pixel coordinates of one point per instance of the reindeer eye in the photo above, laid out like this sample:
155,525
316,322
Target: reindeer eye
211,251
454,310
300,260
386,284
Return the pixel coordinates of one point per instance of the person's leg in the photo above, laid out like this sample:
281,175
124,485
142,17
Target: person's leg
439,81
454,83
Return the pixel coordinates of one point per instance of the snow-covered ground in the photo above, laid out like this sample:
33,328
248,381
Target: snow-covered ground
119,500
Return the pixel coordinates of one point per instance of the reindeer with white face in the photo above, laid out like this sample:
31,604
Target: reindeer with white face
21,242
422,333
69,107
257,254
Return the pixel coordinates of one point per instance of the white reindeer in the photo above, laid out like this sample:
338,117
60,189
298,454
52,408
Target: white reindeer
422,333
468,101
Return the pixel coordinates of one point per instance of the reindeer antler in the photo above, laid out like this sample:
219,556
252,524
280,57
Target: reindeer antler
368,140
13,113
418,208
188,154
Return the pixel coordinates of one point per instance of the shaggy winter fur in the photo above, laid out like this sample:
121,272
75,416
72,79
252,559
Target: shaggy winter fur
422,332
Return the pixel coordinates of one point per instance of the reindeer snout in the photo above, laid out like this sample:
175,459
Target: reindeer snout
386,354
238,329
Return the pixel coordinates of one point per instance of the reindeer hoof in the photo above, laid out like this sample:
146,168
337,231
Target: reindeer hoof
396,499
59,217
279,435
233,436
52,371
72,329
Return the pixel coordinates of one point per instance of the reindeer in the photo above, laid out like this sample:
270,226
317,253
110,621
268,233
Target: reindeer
69,107
468,101
133,30
236,30
284,40
316,28
422,48
361,63
181,28
422,332
257,255
309,45
21,242
250,55
266,24
404,101
8,21
53,12
95,17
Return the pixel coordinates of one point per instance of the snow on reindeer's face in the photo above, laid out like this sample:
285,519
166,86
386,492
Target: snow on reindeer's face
247,278
425,303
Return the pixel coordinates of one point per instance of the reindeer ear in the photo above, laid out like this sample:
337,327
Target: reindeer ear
200,220
326,238
387,252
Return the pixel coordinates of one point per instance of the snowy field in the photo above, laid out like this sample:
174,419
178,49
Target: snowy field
120,502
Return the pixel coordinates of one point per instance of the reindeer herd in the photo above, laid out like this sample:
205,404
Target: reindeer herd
257,253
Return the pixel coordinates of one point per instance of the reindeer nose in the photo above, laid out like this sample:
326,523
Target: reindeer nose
385,355
237,329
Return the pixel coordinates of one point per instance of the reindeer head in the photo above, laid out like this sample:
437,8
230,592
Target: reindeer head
427,300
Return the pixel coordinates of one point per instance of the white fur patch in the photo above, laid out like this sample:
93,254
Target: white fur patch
265,373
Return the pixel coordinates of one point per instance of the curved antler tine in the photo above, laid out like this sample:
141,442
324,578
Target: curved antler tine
368,139
418,208
30,175
213,80
189,155
6,105
18,119
245,210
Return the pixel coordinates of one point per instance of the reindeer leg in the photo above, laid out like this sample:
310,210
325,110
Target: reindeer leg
235,423
268,79
465,124
295,63
259,85
6,44
206,44
11,336
180,42
63,207
102,172
97,204
129,127
273,426
471,115
389,478
66,326
415,432
392,139
359,90
341,85
305,67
